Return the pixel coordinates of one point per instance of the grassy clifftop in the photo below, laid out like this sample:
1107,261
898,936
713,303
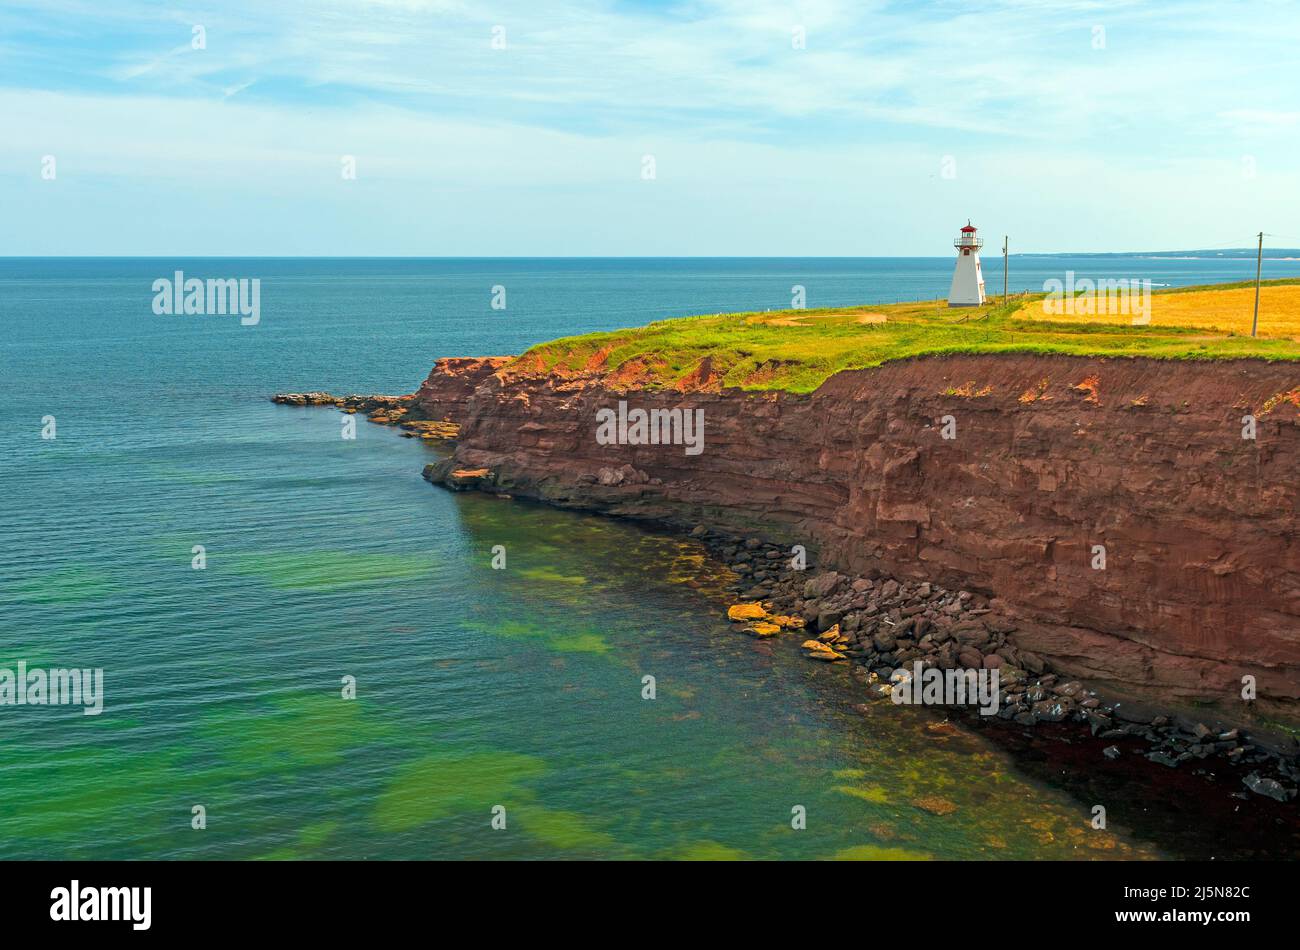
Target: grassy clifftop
797,350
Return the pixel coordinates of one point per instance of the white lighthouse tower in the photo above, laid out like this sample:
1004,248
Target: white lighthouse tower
968,279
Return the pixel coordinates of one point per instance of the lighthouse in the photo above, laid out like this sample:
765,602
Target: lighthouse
968,279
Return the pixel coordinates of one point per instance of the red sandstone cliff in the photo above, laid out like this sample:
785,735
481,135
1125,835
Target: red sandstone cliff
1052,456
443,396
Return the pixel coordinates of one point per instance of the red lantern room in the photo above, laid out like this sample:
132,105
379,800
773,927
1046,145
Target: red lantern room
968,243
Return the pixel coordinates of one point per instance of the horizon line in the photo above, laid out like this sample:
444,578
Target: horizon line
1217,252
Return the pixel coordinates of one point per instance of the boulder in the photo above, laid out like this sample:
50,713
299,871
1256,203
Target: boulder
1032,662
829,618
1053,710
1269,787
829,635
822,585
742,612
1135,713
462,478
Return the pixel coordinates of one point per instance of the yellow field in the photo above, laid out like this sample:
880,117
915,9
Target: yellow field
798,350
1228,311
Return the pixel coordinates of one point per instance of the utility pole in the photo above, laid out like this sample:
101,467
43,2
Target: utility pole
1259,266
1004,270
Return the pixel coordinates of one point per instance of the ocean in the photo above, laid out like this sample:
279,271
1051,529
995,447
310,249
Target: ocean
497,713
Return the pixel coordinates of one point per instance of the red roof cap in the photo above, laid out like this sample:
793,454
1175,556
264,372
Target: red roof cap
968,227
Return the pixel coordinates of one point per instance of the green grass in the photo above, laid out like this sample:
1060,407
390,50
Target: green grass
754,351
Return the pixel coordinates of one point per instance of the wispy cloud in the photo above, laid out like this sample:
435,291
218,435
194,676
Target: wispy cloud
798,100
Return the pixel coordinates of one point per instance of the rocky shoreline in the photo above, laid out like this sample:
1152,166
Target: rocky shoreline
1137,539
901,594
432,413
399,411
878,624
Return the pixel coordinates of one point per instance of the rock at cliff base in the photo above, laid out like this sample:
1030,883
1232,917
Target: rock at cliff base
463,478
820,651
742,612
1269,787
306,399
822,585
1134,712
1032,662
431,431
829,635
1053,710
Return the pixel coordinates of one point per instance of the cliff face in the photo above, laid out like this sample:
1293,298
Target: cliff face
443,396
1049,457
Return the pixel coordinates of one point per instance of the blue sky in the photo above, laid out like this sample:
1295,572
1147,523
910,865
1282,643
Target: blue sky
1069,125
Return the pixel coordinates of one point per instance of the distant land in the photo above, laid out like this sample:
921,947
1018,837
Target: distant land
1270,253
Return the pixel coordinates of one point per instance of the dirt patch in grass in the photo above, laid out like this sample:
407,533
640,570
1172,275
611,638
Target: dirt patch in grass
702,378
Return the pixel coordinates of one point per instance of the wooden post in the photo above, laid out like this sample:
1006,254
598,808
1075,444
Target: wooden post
1259,267
1004,270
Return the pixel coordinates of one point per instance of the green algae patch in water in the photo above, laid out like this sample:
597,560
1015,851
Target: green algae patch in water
93,791
875,852
310,840
549,576
448,784
330,570
70,585
707,851
580,643
564,831
546,633
99,791
872,793
288,734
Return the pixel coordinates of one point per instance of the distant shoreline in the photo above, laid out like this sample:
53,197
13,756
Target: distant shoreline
1244,254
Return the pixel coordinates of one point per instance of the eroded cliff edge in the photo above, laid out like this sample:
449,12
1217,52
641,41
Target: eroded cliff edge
1051,457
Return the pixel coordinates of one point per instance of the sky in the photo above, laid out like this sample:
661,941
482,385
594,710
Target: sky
632,127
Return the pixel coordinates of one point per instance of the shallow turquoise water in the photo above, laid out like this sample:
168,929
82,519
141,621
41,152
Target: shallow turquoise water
476,688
